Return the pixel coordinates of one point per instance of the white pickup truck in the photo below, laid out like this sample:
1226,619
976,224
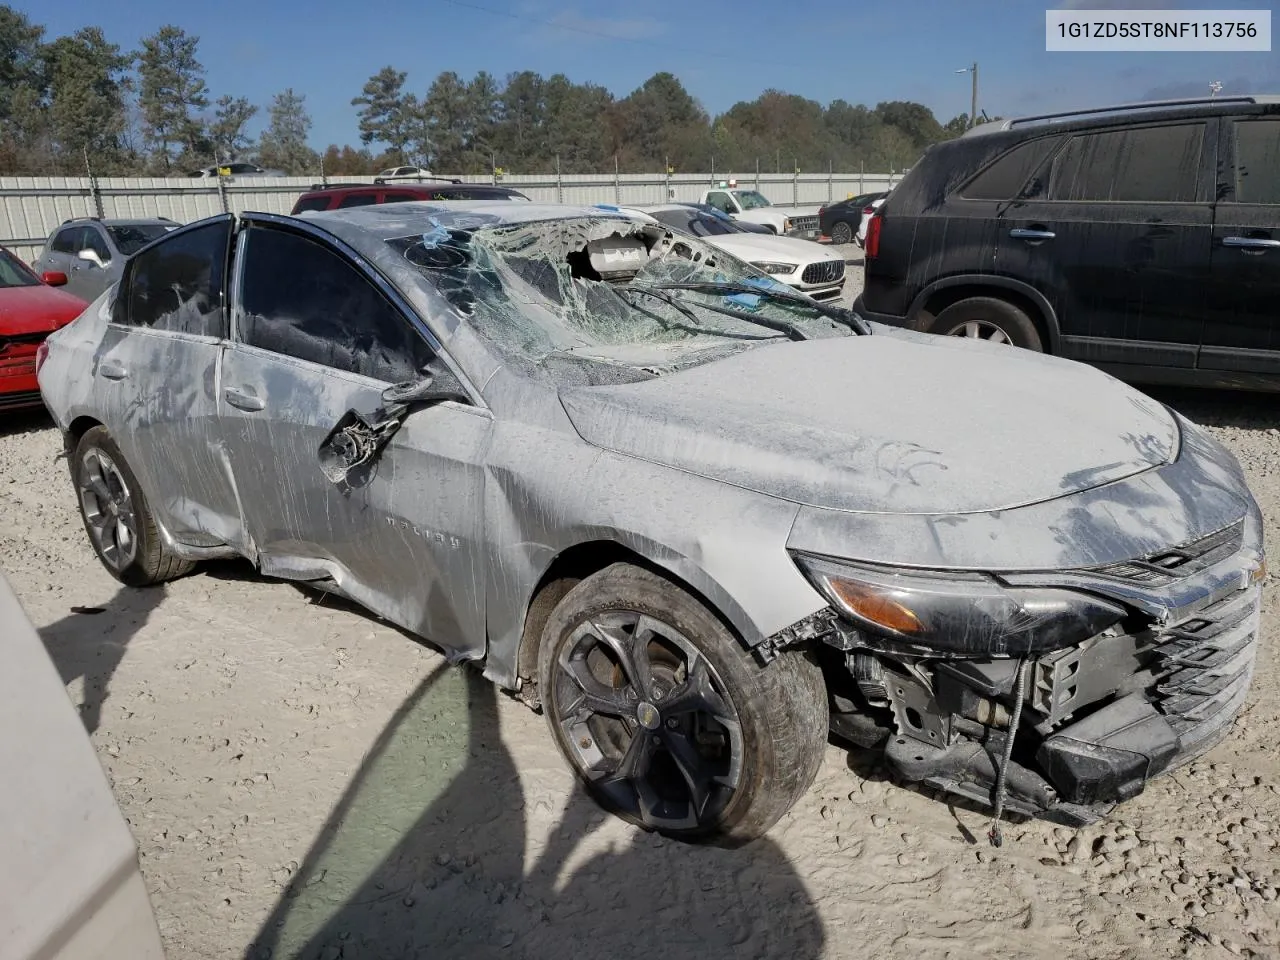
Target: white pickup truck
753,206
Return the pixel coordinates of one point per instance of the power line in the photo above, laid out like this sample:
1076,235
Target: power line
554,25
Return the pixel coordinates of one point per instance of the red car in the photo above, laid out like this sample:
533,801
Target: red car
30,310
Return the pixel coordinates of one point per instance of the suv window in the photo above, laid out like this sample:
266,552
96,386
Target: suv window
66,240
1151,164
1004,179
95,241
178,285
400,197
303,300
358,200
1257,161
311,203
719,200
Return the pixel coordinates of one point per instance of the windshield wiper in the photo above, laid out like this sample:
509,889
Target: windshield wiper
839,314
792,331
674,303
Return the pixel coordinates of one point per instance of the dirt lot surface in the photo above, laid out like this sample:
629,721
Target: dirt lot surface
304,780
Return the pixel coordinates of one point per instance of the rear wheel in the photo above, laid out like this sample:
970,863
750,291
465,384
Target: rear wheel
116,516
842,233
988,318
667,720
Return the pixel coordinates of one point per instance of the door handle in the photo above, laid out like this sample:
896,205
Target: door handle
1251,243
244,399
112,370
1020,233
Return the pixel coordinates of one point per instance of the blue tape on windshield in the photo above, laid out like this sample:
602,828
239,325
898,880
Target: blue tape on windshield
607,206
743,301
436,235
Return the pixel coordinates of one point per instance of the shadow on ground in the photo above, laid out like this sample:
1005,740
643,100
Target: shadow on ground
25,421
90,642
1222,408
426,856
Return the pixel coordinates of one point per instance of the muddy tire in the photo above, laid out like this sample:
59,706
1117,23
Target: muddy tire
841,233
988,318
668,720
117,518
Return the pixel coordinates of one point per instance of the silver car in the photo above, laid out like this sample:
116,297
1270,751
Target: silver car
700,520
92,252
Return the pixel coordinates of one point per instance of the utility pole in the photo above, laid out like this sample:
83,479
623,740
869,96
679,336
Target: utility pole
973,104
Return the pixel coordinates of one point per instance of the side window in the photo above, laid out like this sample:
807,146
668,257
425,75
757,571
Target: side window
95,241
1151,164
1257,161
399,197
312,203
358,200
303,300
719,200
64,240
177,285
1005,178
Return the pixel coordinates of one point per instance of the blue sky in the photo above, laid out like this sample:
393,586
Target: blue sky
723,52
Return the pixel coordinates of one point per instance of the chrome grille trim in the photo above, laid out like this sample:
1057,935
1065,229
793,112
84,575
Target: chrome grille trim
824,271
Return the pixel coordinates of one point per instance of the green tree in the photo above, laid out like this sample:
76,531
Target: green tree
446,124
347,160
283,144
227,132
521,119
387,114
88,85
24,85
171,92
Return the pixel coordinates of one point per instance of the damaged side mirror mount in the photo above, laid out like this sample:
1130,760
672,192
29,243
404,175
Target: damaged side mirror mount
349,454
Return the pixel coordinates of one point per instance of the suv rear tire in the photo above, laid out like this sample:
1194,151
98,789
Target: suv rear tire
988,318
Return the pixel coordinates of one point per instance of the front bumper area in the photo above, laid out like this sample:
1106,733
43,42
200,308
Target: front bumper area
1099,719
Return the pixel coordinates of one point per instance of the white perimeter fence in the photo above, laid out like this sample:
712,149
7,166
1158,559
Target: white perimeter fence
30,207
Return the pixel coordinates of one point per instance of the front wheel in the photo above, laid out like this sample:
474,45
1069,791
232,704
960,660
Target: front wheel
841,233
667,720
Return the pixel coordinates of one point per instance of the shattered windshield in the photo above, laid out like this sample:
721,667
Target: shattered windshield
132,237
752,200
609,290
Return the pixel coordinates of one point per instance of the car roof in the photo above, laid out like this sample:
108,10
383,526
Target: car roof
1124,112
408,186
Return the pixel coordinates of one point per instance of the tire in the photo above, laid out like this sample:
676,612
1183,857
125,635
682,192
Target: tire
841,233
988,318
117,519
702,712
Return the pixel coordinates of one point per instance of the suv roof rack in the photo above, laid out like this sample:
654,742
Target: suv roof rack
1116,109
381,180
77,219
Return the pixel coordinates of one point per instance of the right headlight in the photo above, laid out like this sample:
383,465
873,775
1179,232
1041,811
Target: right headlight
968,614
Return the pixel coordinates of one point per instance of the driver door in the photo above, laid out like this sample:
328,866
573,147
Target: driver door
313,338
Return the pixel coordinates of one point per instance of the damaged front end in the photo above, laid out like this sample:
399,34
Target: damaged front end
1052,695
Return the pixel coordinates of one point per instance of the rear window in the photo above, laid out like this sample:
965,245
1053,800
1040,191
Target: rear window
1149,164
131,237
1258,161
1005,178
311,203
358,200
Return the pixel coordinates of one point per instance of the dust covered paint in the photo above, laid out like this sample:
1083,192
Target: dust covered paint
574,387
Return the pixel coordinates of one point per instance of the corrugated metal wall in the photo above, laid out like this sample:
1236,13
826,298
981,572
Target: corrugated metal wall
30,207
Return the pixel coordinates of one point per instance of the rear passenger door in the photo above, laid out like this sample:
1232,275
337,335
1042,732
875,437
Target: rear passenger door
1116,233
1242,325
157,372
315,336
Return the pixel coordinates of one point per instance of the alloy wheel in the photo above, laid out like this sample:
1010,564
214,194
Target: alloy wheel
980,330
647,720
108,509
841,233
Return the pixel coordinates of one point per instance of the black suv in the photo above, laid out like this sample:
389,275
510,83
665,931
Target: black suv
1142,238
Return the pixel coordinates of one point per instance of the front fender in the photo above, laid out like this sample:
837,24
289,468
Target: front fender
996,282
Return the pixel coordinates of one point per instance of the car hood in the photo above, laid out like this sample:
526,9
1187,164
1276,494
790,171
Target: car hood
886,424
754,247
36,309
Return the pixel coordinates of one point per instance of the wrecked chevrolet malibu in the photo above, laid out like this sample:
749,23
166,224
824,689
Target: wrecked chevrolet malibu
699,520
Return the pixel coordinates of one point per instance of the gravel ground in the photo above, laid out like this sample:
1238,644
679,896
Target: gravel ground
305,780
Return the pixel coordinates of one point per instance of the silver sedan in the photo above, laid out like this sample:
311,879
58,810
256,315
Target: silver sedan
698,519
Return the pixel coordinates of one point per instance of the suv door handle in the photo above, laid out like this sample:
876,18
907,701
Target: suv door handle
1019,233
112,370
244,399
1251,243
